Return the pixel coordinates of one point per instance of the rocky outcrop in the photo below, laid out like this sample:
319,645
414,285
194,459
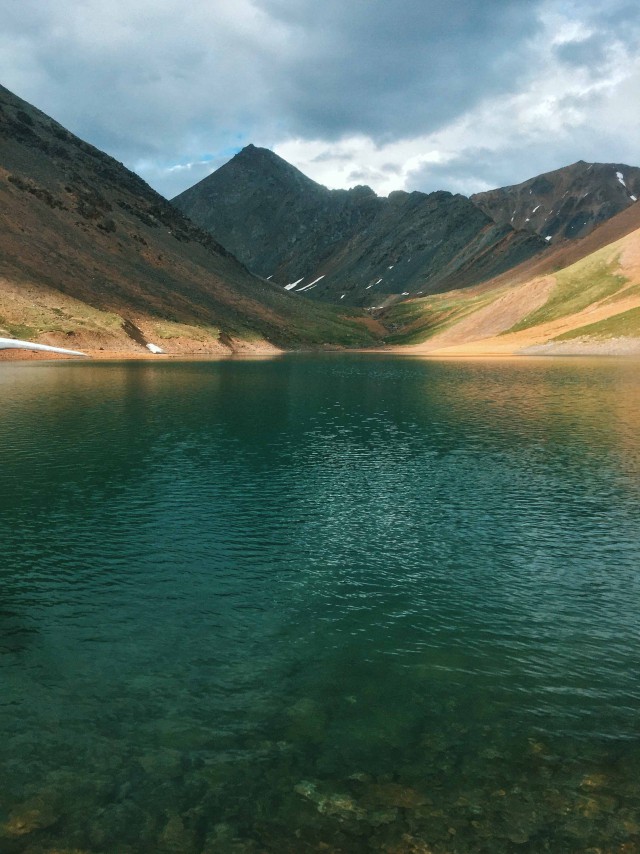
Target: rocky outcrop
566,203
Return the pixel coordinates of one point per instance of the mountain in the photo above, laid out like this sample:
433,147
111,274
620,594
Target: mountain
92,257
349,245
565,203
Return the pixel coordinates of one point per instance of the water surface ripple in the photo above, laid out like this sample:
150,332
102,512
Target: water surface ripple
320,603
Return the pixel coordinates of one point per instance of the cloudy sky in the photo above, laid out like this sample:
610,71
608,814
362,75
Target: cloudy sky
461,95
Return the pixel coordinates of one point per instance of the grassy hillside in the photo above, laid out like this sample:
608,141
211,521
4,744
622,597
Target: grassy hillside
419,320
583,284
623,325
596,298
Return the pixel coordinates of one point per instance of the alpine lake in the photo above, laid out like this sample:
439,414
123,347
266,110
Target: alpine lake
320,603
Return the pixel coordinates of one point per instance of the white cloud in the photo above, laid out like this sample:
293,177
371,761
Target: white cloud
561,112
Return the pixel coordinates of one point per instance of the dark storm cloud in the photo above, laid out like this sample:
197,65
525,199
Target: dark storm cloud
475,167
331,156
392,69
142,79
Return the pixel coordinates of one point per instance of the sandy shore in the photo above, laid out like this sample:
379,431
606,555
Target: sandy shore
522,344
213,350
132,355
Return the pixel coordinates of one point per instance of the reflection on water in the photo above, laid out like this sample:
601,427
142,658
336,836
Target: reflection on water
328,604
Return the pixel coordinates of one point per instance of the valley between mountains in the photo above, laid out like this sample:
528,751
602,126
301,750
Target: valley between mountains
258,258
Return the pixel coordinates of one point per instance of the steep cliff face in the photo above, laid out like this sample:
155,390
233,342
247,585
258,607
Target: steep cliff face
565,203
78,223
348,245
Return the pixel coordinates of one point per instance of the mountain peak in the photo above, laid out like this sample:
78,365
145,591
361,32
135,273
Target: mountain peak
347,244
252,169
254,152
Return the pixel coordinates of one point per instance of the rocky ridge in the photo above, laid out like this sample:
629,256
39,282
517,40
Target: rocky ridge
566,203
349,245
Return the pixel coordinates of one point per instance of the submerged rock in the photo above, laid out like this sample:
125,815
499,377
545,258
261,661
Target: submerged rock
35,814
223,840
340,805
119,825
164,764
408,845
64,851
176,837
308,721
395,795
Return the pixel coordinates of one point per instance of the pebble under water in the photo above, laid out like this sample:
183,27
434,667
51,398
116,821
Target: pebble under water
326,604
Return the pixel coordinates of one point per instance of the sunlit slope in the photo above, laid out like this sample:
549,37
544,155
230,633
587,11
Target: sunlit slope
593,305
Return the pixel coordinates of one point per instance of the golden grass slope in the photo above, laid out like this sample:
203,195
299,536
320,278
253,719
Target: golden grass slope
591,306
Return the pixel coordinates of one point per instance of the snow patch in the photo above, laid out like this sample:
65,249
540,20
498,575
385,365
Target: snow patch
620,178
391,267
153,348
548,237
16,344
535,209
310,285
343,296
270,277
293,284
633,198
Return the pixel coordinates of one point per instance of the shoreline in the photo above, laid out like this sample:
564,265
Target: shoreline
495,348
485,349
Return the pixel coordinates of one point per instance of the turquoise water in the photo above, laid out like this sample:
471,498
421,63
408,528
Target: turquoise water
320,604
